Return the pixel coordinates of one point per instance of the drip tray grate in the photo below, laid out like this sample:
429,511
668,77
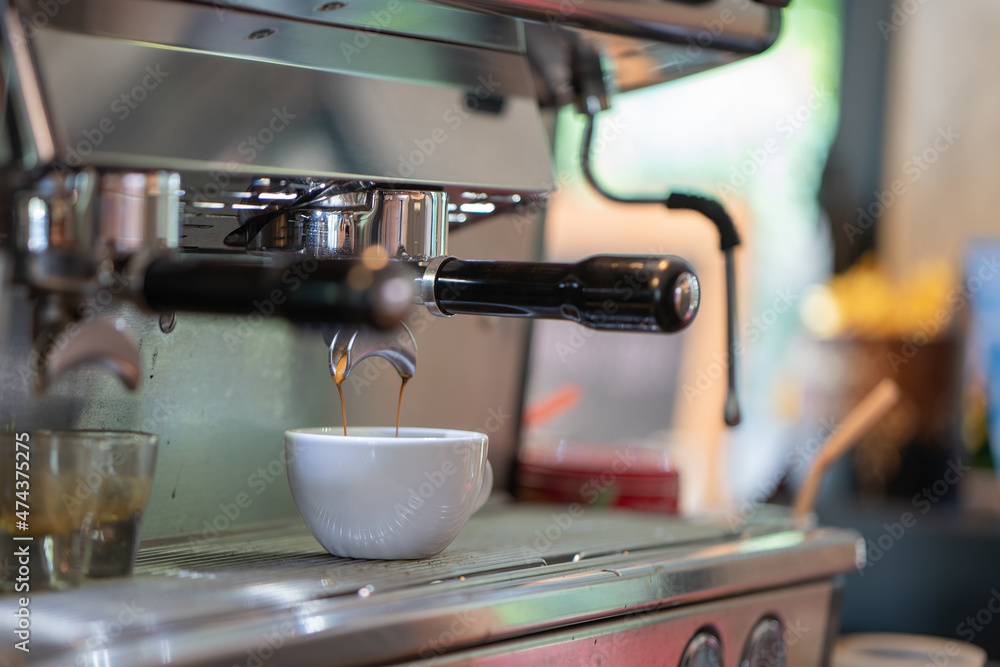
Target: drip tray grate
493,541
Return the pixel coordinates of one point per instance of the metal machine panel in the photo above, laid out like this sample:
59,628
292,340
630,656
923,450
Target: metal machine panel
212,601
167,85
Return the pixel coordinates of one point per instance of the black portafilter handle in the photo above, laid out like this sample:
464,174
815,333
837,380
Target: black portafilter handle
619,293
309,290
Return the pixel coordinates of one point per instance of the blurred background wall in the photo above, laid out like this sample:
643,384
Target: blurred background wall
858,158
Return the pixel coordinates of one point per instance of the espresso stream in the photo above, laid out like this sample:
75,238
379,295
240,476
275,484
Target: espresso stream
338,377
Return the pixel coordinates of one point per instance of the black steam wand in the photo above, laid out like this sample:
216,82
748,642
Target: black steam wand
728,236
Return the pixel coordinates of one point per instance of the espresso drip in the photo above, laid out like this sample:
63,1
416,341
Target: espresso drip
338,377
399,405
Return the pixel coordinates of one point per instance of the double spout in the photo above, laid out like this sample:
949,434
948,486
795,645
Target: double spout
350,345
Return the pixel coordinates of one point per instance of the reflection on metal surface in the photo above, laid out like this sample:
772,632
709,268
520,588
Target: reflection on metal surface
411,224
411,18
331,220
70,230
704,650
252,377
643,43
358,343
402,110
97,342
687,296
656,637
732,25
24,90
69,222
220,596
765,647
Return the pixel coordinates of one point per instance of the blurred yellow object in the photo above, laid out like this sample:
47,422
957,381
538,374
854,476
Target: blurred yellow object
865,303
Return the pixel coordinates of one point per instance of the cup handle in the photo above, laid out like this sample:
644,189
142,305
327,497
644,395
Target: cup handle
485,489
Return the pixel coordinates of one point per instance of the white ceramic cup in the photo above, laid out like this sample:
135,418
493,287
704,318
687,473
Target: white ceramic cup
370,494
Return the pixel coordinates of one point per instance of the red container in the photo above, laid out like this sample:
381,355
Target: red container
593,474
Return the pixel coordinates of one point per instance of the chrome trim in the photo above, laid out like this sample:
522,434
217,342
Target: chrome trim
400,111
409,18
193,27
332,613
766,645
658,638
69,223
397,346
411,225
398,224
672,22
428,282
643,43
20,83
704,650
116,212
687,296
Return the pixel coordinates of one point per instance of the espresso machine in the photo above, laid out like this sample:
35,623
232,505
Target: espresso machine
209,205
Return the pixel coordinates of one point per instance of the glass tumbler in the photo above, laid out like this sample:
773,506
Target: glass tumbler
46,510
71,503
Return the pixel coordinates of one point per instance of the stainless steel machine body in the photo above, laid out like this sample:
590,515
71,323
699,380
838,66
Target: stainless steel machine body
144,133
216,156
541,586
